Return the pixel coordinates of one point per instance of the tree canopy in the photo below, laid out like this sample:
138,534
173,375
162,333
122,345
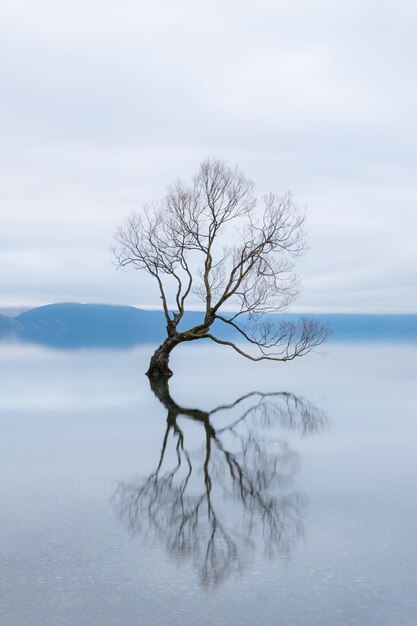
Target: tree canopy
216,240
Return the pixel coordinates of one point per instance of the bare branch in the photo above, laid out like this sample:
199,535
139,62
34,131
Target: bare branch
213,238
279,342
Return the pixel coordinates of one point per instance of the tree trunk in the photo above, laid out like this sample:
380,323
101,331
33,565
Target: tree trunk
159,365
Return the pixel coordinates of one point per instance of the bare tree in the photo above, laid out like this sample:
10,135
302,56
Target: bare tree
213,238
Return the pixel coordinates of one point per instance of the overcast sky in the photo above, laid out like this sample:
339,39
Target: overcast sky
103,103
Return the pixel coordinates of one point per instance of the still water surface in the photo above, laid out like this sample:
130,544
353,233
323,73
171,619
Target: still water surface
241,494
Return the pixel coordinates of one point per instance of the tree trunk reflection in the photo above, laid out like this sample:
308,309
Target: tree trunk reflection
216,505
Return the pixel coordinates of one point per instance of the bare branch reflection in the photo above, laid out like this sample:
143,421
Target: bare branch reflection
183,501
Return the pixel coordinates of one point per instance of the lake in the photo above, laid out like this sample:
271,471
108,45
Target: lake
243,493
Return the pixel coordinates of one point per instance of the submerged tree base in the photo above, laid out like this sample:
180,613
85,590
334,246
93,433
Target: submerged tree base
158,367
157,374
159,370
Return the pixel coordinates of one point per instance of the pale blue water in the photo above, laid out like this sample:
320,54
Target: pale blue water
295,508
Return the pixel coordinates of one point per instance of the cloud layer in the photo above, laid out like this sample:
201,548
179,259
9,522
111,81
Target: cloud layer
105,103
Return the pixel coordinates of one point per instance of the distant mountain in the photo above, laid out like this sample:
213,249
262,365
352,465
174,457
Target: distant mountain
72,325
370,327
13,311
88,325
363,327
5,325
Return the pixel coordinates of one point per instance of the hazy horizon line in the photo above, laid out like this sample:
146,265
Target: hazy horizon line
13,311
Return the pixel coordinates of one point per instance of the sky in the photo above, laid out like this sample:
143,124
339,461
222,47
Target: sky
104,103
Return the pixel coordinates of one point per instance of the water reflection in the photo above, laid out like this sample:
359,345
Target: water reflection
216,505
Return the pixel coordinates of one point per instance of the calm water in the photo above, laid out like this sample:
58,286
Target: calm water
243,494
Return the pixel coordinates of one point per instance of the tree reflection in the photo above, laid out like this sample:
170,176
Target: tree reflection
183,501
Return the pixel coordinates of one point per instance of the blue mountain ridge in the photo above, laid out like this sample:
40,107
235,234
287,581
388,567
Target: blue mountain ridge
5,325
73,325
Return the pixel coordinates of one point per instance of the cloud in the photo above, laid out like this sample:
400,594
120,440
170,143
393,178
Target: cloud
105,103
